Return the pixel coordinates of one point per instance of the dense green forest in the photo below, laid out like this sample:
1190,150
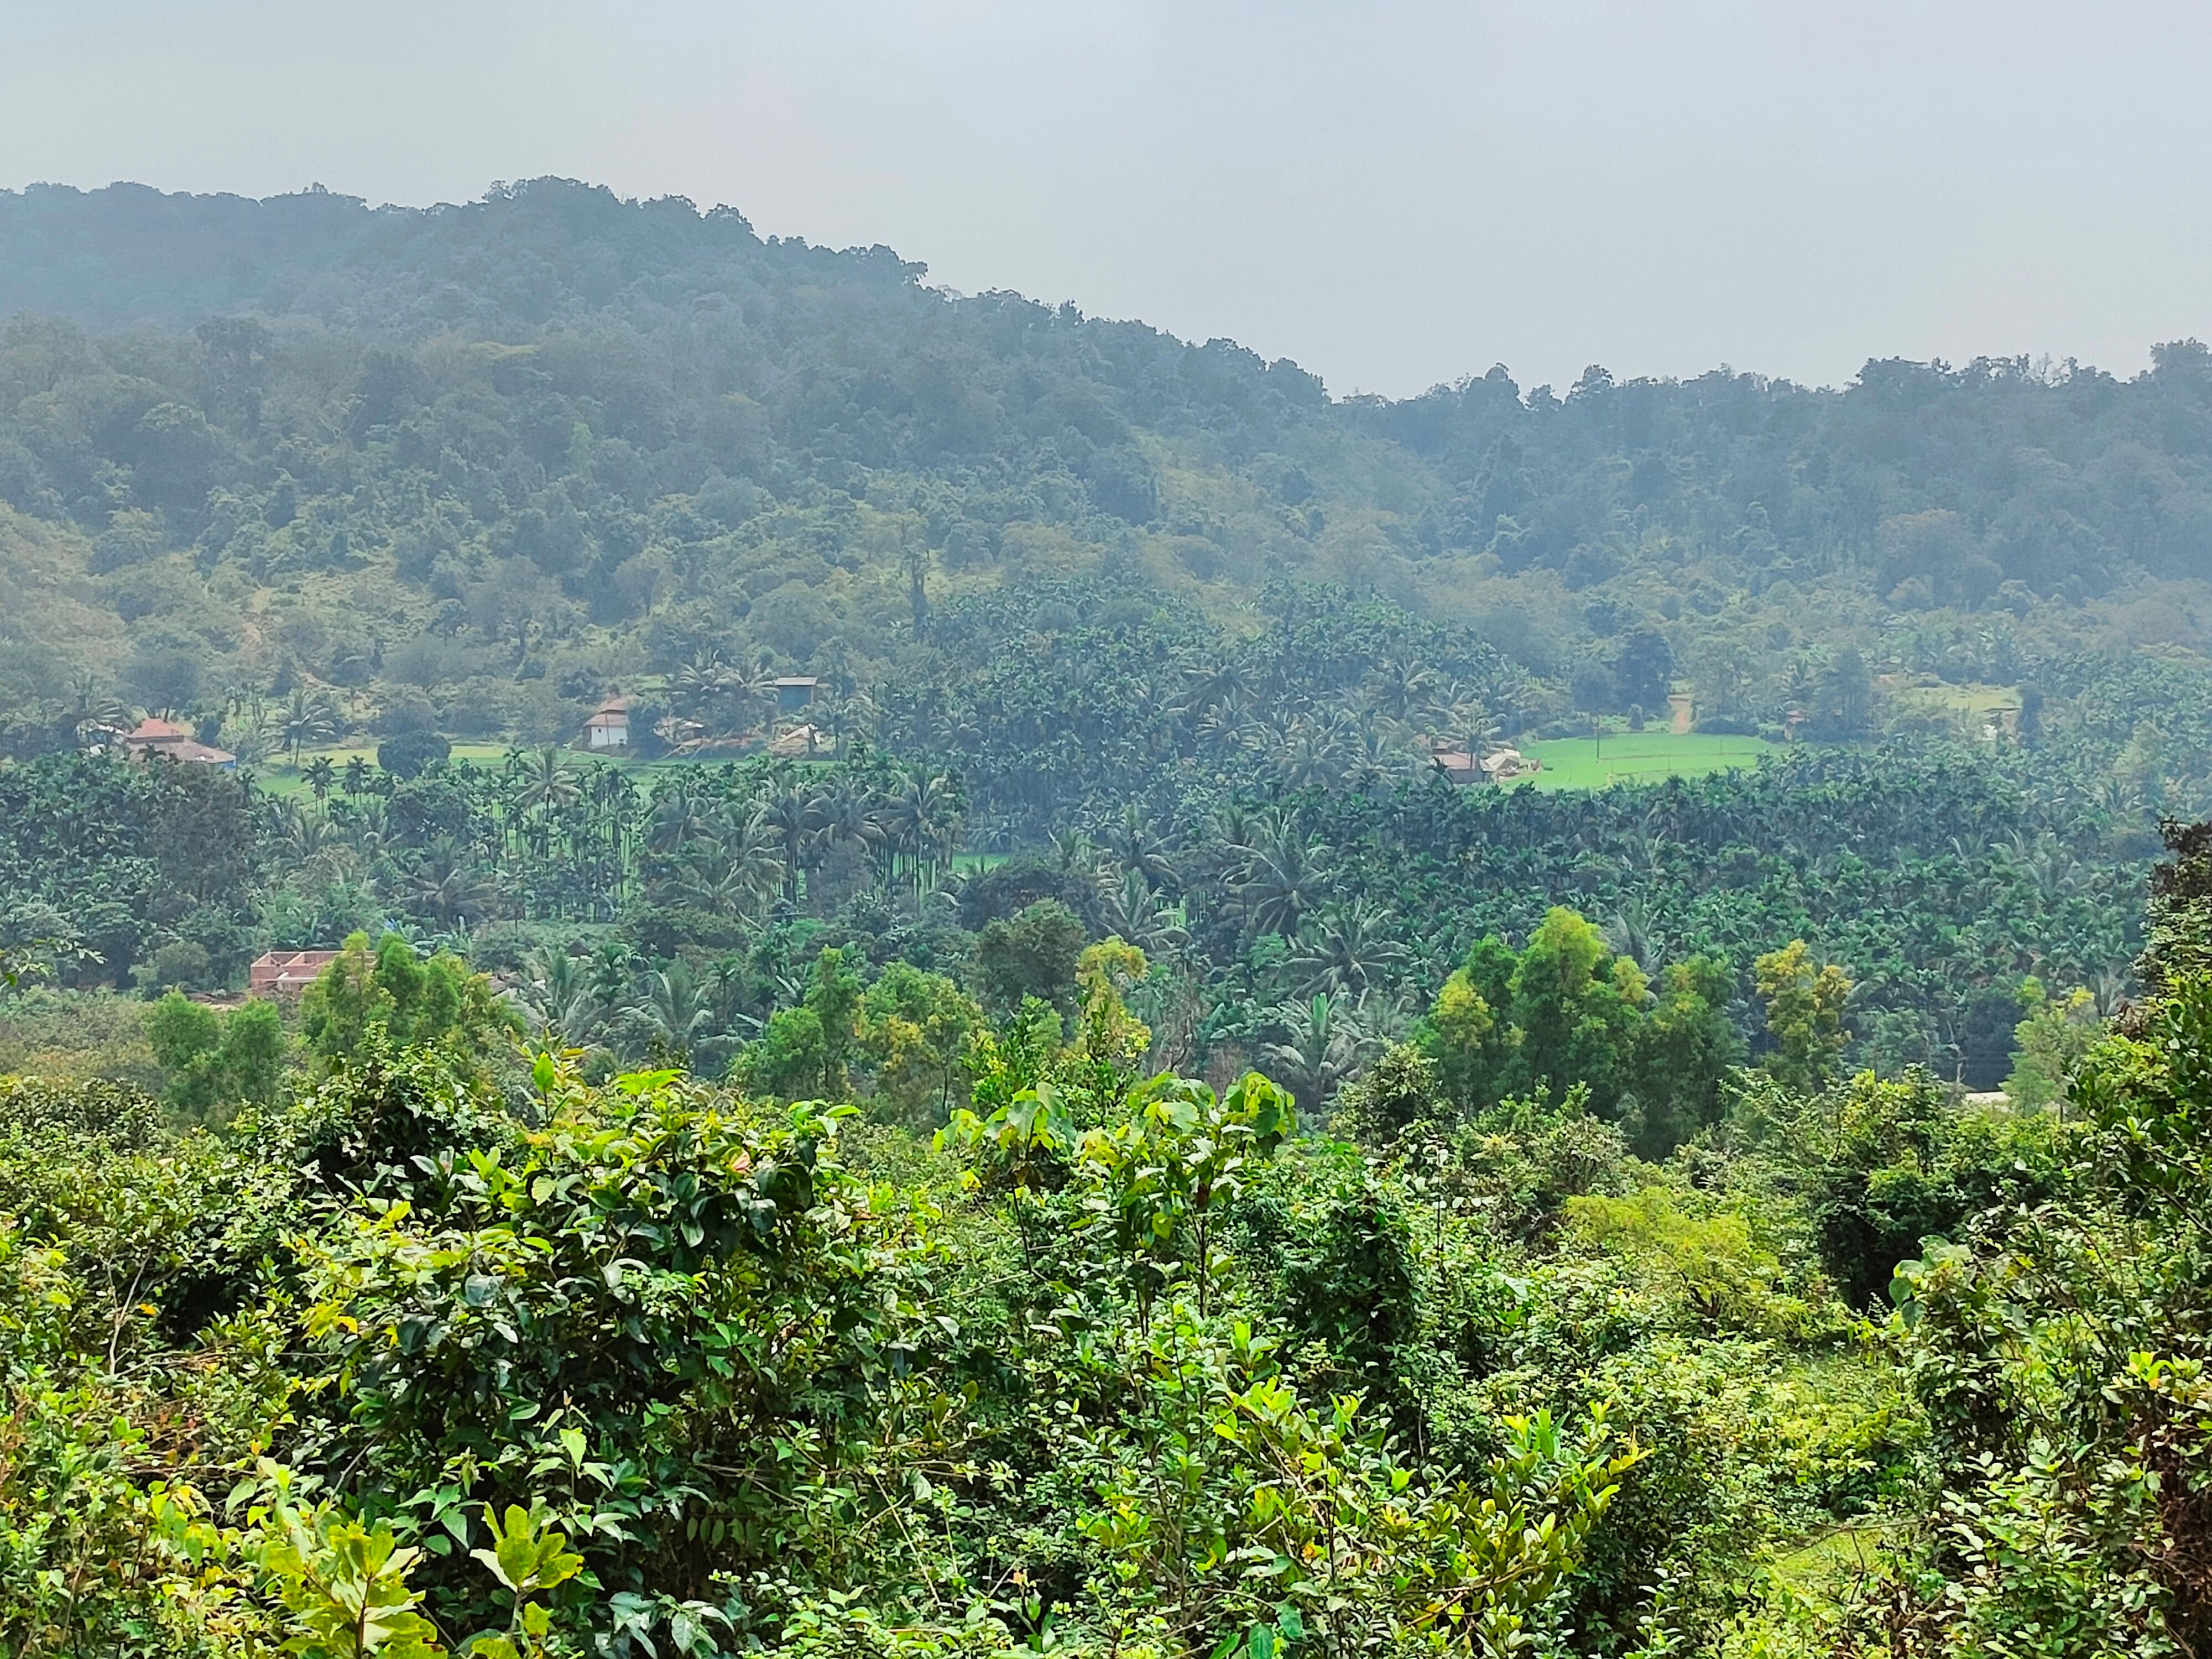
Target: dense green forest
473,468
1030,1103
1162,622
436,1345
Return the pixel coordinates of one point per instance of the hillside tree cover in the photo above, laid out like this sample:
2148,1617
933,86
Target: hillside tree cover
302,473
407,1361
1025,1111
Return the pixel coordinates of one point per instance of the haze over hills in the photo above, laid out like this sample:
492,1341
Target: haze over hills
603,434
311,477
705,953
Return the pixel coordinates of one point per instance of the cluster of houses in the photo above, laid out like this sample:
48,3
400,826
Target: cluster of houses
609,731
150,738
278,976
1499,766
285,976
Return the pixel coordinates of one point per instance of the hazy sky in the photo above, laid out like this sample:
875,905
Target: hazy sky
1391,193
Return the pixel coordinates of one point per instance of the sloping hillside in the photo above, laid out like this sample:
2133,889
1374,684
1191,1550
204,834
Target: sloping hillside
476,467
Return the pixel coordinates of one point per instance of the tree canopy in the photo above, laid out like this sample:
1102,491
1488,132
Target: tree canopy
955,1025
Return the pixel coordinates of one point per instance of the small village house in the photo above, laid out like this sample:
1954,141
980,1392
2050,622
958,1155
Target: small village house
608,728
285,976
1457,766
807,739
795,692
1462,768
151,738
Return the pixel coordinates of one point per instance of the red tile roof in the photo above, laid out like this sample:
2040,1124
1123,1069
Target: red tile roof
286,974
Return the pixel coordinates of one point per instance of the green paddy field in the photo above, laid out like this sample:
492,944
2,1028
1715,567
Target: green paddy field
1639,758
1569,762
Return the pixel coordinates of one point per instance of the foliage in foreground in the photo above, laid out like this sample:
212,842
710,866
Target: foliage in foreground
1119,1365
733,1392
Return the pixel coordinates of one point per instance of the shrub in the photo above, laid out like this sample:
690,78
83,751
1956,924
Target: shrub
410,753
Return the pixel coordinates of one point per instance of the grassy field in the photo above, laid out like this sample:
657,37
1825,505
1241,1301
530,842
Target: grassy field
1639,758
1569,763
277,775
1983,707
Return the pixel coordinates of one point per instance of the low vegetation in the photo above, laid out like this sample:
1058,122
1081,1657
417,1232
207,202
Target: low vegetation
1029,1105
425,1350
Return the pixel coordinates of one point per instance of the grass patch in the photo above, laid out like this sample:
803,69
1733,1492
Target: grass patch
1982,710
1967,699
1823,1567
45,1032
278,776
1639,758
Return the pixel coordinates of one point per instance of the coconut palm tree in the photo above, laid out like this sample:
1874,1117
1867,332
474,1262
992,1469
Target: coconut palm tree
855,711
675,1020
305,836
681,813
793,812
1467,724
845,815
1208,688
1320,1047
1383,1013
1278,878
90,704
734,872
1316,749
754,691
919,817
446,884
704,687
307,717
1348,950
1402,689
1073,849
1139,845
545,782
558,995
610,970
1230,731
1131,911
1631,933
1374,760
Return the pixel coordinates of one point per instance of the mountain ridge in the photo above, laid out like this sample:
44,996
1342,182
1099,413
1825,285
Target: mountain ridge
558,437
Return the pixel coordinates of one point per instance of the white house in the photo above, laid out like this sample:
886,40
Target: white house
610,727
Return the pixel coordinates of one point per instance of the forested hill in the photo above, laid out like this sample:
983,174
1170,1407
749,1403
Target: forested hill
514,454
1031,1107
